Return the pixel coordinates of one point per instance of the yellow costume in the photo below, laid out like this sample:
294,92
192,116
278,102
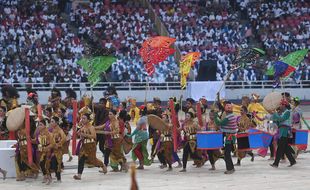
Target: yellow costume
134,111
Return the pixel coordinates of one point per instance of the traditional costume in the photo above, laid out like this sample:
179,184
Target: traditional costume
284,121
190,128
229,127
213,155
116,156
59,139
86,148
244,122
139,150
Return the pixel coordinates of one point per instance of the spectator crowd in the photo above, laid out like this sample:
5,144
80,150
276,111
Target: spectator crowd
40,43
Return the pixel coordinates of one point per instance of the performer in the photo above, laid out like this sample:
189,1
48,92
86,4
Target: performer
153,133
255,106
23,169
134,111
59,139
139,150
190,128
229,127
213,155
166,143
43,139
189,107
116,157
284,120
87,147
244,122
101,117
296,114
9,97
4,132
54,101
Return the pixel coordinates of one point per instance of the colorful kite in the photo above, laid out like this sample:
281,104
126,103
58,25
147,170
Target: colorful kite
245,57
286,65
186,63
155,50
96,66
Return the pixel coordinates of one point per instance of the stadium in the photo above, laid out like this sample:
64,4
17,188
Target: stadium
143,89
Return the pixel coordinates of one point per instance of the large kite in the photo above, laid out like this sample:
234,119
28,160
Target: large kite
186,63
245,57
286,65
155,50
96,66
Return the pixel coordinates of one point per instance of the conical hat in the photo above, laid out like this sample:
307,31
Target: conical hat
15,119
272,101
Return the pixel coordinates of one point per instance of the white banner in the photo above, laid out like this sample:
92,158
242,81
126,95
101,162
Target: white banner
208,89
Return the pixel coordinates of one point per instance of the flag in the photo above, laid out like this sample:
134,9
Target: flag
95,66
155,50
186,63
286,65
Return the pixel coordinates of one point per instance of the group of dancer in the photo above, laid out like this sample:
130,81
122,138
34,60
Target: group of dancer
109,123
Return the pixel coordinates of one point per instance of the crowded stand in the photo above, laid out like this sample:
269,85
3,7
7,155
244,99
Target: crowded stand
97,23
36,44
40,43
281,27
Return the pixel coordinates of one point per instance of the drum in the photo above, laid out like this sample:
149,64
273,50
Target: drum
272,101
300,139
209,140
249,141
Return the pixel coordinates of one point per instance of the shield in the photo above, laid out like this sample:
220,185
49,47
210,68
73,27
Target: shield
156,122
15,119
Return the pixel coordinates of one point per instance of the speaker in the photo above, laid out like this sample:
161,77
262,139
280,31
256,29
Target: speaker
207,70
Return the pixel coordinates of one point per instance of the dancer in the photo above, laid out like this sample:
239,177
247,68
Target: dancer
87,147
190,128
213,155
245,122
229,127
139,150
43,138
283,117
116,156
59,139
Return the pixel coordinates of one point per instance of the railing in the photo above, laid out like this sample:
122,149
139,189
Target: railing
153,86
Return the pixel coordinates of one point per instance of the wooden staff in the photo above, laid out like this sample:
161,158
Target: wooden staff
74,122
28,137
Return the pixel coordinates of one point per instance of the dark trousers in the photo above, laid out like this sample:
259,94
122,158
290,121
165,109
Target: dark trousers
107,152
210,156
54,166
271,147
81,164
43,168
161,157
101,140
227,157
187,151
284,148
